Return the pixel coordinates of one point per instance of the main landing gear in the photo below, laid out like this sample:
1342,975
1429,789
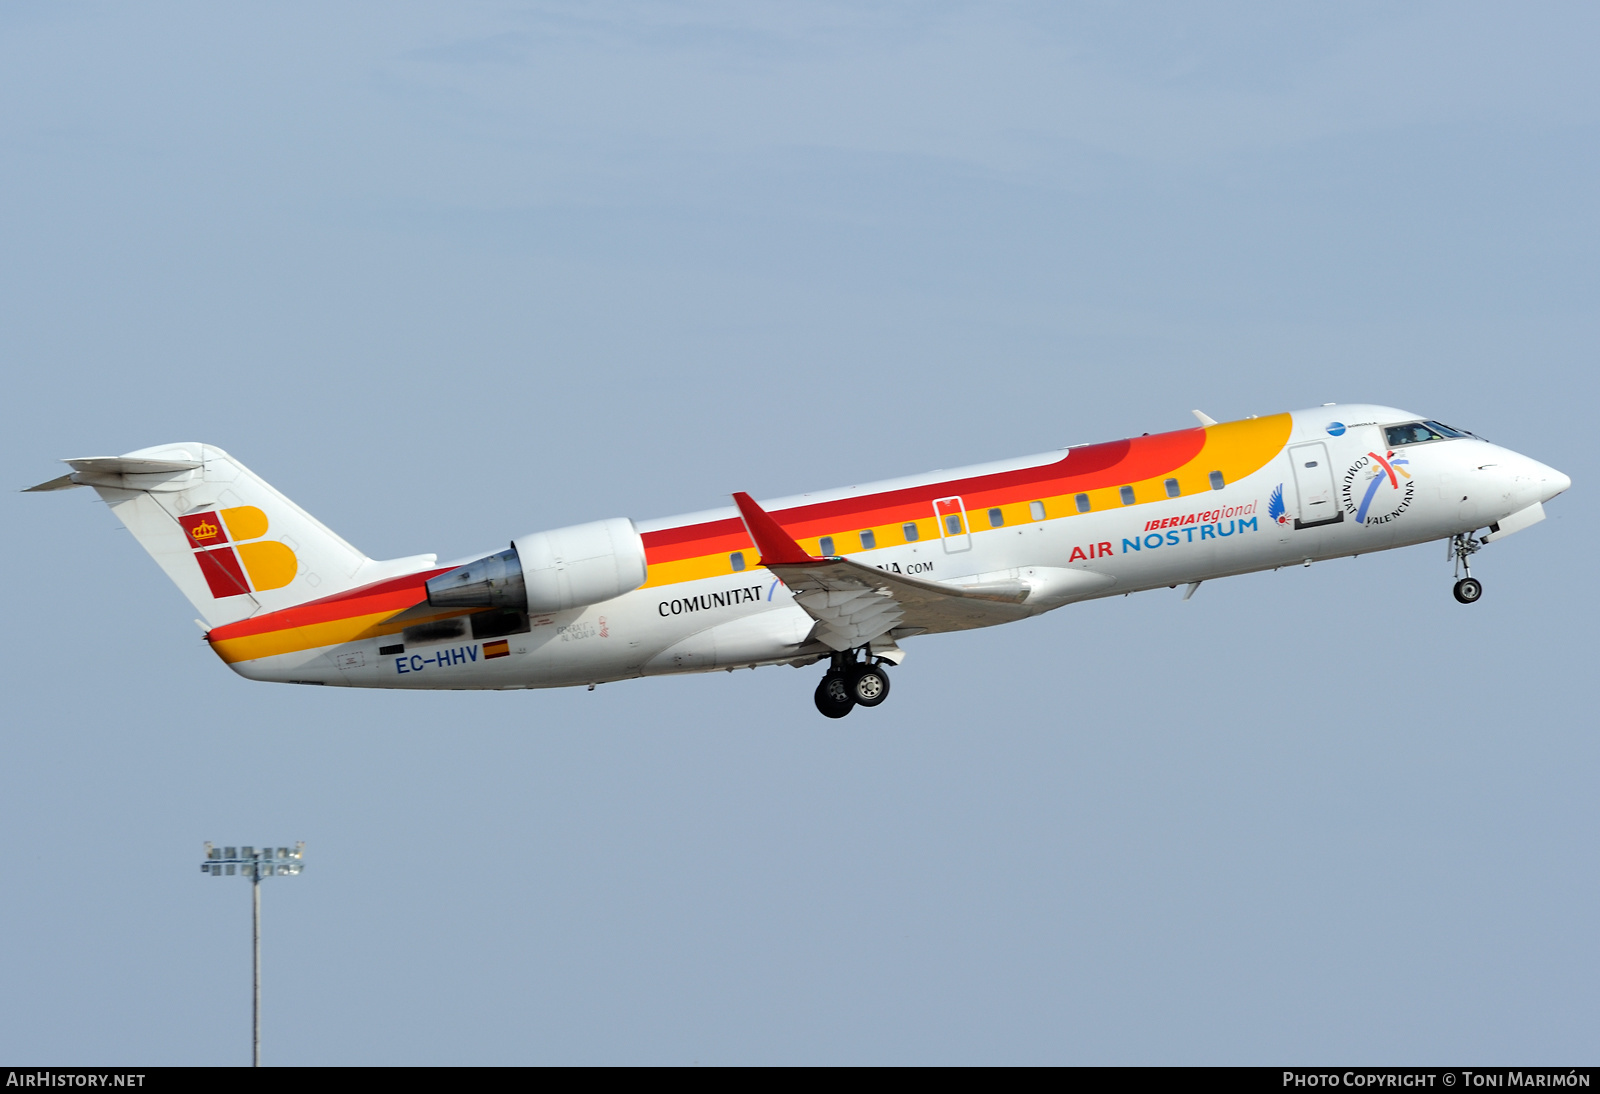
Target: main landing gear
1462,547
850,683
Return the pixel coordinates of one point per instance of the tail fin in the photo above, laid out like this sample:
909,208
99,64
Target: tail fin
233,544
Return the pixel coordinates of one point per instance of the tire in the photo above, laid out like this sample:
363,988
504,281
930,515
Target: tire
869,685
833,696
1468,590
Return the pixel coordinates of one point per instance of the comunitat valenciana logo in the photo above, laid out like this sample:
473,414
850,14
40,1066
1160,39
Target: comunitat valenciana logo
232,555
1363,489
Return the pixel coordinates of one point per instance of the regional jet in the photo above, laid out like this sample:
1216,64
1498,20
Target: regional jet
841,577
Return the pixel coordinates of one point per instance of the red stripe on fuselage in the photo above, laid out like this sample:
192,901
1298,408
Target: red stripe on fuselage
1091,467
397,593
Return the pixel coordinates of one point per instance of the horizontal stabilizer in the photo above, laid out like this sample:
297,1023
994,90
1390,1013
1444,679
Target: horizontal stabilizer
112,471
123,465
63,483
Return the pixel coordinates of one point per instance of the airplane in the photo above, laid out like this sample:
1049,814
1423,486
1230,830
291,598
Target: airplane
843,576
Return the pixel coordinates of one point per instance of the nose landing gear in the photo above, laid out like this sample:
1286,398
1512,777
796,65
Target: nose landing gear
1467,588
850,683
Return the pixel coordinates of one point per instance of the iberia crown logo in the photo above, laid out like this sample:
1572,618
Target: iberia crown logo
246,564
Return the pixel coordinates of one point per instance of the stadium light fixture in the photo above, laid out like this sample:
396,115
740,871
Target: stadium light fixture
255,864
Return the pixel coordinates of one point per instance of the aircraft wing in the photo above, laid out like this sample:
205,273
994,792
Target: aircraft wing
855,603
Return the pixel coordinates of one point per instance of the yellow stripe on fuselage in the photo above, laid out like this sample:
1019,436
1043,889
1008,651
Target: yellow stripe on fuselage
311,636
1237,449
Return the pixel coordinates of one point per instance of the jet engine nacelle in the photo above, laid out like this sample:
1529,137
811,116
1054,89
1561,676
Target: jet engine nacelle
583,564
549,571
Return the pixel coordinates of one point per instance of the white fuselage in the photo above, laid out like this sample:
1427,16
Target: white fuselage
750,618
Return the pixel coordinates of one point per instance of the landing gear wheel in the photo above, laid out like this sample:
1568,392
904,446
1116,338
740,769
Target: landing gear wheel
833,696
869,685
1468,590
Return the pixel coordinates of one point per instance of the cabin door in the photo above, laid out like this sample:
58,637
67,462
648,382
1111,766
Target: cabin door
1313,482
952,517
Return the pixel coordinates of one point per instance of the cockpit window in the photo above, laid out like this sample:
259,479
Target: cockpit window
1419,432
1410,433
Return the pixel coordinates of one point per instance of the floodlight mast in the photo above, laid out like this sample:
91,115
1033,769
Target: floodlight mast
255,865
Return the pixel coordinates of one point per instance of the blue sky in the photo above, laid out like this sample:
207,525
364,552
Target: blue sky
450,275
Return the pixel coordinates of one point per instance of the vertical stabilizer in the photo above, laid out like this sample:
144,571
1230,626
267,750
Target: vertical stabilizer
232,543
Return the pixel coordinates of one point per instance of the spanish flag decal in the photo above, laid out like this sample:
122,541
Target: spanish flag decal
492,650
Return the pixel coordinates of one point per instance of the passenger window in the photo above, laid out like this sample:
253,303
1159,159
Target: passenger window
996,518
1172,488
1127,495
1410,433
1082,501
825,546
952,524
910,531
1036,510
868,540
1216,480
737,559
1311,463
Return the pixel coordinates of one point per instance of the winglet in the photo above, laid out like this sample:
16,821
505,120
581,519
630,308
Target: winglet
777,547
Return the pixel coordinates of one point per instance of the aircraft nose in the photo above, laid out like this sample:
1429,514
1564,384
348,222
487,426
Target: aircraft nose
1526,480
1551,483
1545,482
